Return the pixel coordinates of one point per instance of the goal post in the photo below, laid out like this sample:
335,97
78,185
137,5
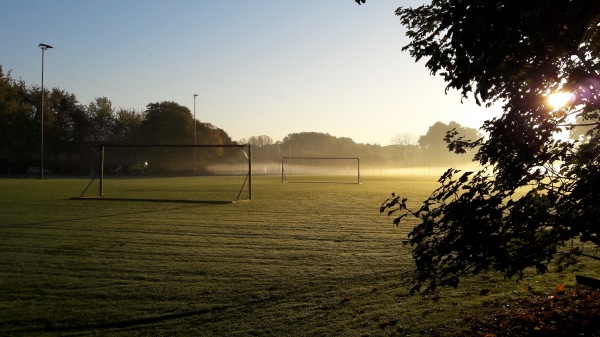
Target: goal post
321,169
179,173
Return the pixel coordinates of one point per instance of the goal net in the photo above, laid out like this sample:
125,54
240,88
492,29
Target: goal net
320,170
182,173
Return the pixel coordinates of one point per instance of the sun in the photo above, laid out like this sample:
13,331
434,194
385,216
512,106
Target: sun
560,99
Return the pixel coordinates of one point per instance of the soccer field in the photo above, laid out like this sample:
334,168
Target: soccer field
297,260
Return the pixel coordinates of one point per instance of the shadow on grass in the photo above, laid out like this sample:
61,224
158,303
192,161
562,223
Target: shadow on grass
98,216
48,326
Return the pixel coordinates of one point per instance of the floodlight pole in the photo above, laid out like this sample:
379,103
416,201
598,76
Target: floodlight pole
43,47
195,133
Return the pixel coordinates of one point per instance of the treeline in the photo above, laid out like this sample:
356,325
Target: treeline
407,151
71,130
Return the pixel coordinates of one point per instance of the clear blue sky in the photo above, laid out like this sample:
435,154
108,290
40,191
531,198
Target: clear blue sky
259,67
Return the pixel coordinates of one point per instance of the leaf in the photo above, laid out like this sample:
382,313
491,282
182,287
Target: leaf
465,176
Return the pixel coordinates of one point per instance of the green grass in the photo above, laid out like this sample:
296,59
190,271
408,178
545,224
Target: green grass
298,260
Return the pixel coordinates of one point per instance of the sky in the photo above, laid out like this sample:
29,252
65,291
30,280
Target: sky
259,67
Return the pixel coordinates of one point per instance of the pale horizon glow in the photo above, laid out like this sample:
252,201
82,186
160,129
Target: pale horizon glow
266,67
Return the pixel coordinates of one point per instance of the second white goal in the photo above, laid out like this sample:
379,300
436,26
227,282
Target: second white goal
320,169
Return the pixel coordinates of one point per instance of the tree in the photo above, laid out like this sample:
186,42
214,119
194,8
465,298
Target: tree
406,143
259,141
434,145
167,123
17,121
102,119
404,139
542,192
210,134
62,115
127,125
263,150
316,143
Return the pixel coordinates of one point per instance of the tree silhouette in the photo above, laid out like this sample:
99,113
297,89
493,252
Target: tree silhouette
167,123
535,192
434,146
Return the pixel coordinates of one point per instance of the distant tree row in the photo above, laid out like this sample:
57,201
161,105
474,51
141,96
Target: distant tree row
406,151
71,128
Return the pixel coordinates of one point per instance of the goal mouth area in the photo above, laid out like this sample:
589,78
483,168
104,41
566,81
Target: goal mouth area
180,201
323,182
320,170
320,180
200,174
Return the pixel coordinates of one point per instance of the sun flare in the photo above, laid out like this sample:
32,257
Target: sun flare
560,99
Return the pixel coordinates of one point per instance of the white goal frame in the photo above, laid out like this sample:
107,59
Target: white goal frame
98,171
309,160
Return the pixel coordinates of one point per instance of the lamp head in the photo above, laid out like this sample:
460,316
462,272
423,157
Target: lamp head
45,46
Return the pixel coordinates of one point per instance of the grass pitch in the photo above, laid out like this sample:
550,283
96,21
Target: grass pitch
298,260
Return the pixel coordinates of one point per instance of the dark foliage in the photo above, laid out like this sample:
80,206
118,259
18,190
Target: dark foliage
535,192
